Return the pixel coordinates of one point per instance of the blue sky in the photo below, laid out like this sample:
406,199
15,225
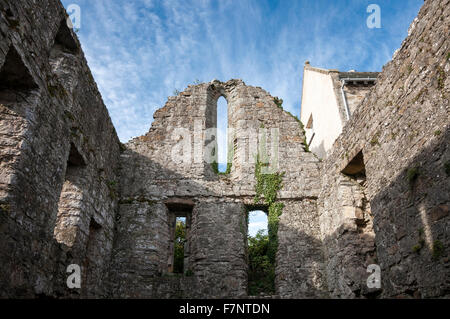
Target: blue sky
141,51
256,220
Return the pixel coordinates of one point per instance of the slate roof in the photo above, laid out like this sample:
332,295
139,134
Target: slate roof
358,75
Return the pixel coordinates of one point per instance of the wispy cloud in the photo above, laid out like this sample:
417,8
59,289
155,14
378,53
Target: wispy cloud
141,51
257,221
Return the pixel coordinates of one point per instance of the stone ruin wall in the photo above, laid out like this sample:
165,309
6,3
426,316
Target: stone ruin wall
152,183
60,153
397,215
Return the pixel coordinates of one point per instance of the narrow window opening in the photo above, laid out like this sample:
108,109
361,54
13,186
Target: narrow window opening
64,40
180,238
70,201
179,217
15,80
261,254
356,170
222,134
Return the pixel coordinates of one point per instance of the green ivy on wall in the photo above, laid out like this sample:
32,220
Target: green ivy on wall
262,249
266,188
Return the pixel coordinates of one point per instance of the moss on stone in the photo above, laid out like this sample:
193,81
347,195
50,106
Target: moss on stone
374,141
412,175
410,69
421,243
416,248
438,249
441,78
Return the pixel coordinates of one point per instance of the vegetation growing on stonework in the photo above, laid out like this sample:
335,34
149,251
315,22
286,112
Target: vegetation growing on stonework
278,102
416,248
267,185
261,273
215,168
4,207
441,78
374,141
438,249
112,186
263,248
412,175
180,237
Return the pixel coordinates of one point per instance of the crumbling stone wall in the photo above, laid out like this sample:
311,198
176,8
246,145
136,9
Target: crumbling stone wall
58,149
70,193
401,129
152,180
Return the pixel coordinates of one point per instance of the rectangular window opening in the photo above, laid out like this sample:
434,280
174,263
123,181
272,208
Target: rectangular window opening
356,170
179,244
180,238
261,252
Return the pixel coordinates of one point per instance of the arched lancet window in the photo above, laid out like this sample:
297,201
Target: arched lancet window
222,132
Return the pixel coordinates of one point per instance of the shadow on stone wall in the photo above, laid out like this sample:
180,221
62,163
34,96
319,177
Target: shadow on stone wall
300,265
140,255
218,248
412,226
353,251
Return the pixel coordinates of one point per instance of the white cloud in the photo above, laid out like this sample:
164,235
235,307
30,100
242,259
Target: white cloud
141,51
257,221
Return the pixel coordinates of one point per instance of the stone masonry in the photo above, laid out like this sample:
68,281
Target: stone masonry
151,184
71,193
